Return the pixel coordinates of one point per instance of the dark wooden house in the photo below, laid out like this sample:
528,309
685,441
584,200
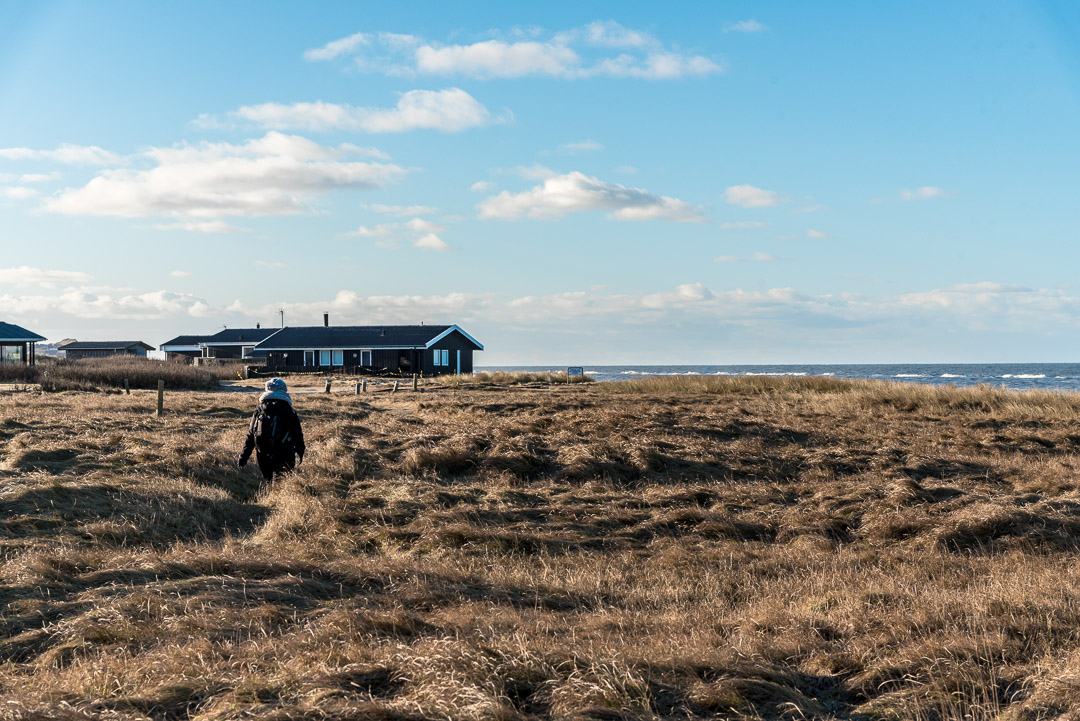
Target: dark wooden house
183,347
234,343
17,344
104,348
428,350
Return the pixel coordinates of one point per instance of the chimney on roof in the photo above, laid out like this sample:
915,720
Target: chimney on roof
257,326
325,320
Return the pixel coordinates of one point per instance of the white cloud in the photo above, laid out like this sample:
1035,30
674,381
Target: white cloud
749,196
180,274
424,226
926,192
534,172
582,147
84,304
402,210
379,231
25,275
448,111
575,192
577,53
816,234
421,233
763,257
742,225
745,26
38,177
274,175
203,226
481,186
607,34
17,192
64,153
430,241
338,47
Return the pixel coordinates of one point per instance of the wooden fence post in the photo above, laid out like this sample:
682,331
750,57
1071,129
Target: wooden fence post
414,381
396,386
358,386
363,386
127,387
327,389
160,397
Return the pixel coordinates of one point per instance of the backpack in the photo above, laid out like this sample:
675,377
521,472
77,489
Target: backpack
272,427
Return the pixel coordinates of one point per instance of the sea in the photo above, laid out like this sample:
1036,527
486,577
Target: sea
1017,376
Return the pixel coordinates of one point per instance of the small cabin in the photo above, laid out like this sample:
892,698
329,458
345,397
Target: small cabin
427,350
183,347
234,343
104,349
17,345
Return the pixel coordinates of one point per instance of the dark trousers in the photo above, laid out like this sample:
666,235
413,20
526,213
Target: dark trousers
272,467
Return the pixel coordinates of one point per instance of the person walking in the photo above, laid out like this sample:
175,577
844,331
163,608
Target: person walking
274,433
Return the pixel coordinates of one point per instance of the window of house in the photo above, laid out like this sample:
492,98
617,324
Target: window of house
339,358
438,357
365,357
10,353
324,357
245,351
309,358
446,357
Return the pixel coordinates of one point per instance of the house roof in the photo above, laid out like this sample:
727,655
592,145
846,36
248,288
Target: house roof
104,345
239,335
357,336
184,340
10,331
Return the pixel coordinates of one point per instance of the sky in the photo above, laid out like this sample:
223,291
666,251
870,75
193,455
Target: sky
572,183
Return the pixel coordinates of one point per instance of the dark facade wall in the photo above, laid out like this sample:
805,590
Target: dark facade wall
453,343
186,355
382,361
225,351
99,353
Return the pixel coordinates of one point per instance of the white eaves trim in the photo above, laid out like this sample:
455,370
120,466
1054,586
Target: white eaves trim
450,330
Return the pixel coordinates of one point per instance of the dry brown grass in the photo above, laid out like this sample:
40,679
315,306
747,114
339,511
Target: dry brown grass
733,548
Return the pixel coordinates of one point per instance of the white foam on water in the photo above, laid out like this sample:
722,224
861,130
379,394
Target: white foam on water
777,373
1024,375
910,375
828,374
951,375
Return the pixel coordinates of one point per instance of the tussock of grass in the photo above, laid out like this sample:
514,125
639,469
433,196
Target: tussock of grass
716,548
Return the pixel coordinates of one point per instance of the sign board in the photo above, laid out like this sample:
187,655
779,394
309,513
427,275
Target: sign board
574,371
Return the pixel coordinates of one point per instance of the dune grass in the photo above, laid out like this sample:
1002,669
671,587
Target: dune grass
738,548
59,374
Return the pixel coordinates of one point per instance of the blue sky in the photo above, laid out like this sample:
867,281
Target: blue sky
572,183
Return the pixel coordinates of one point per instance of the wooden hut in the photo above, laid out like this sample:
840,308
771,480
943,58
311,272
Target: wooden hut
17,344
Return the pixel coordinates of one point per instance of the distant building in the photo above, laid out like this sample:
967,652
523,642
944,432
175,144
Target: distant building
424,349
234,343
183,346
17,345
104,348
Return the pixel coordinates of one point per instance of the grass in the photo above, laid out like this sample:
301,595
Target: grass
689,548
96,373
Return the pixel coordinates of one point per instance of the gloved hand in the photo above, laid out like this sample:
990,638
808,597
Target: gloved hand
241,462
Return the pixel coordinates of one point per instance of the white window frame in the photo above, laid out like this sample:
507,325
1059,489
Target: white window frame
365,358
446,357
438,357
324,359
337,358
246,351
309,359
